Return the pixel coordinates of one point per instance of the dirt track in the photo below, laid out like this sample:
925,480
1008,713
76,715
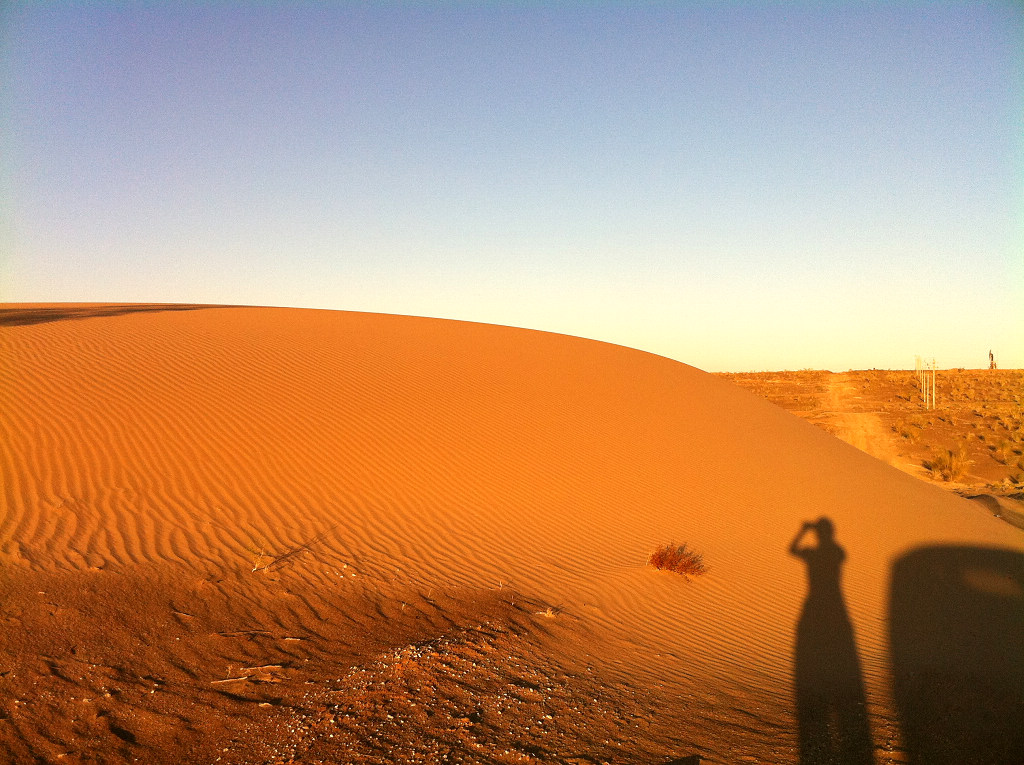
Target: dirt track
980,412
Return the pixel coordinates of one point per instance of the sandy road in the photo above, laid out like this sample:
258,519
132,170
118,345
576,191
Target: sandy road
850,420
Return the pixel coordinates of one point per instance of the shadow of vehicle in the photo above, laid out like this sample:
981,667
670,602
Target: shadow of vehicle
957,641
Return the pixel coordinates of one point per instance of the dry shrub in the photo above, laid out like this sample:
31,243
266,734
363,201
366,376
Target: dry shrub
1003,453
906,431
949,465
675,558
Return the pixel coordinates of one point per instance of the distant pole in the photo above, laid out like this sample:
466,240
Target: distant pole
929,384
934,366
926,377
920,369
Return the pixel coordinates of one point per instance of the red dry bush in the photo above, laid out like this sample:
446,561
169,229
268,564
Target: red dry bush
678,559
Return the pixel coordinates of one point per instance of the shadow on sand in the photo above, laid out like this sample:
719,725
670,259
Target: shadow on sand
957,641
15,317
832,715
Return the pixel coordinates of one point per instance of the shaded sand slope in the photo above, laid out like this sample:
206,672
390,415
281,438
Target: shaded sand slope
218,524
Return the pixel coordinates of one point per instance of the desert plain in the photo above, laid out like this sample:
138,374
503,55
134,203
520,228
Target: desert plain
969,440
267,535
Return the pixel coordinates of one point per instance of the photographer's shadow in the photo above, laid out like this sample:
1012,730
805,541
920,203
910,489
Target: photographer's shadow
831,708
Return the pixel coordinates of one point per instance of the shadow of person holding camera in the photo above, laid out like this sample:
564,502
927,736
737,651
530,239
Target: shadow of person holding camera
832,719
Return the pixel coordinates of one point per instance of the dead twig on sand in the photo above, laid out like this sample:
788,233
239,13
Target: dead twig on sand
289,555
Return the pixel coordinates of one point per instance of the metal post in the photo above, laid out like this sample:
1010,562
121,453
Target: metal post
921,380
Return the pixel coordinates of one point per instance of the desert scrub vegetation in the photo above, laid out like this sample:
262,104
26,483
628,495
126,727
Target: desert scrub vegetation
907,431
978,410
949,464
1003,452
679,559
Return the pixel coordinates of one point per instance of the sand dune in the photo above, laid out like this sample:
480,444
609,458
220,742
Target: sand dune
254,534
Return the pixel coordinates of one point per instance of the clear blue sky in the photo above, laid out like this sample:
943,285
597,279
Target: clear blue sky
735,185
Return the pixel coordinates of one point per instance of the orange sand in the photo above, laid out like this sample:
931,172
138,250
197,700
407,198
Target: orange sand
252,534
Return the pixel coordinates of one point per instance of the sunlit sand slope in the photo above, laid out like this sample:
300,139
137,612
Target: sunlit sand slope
209,514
